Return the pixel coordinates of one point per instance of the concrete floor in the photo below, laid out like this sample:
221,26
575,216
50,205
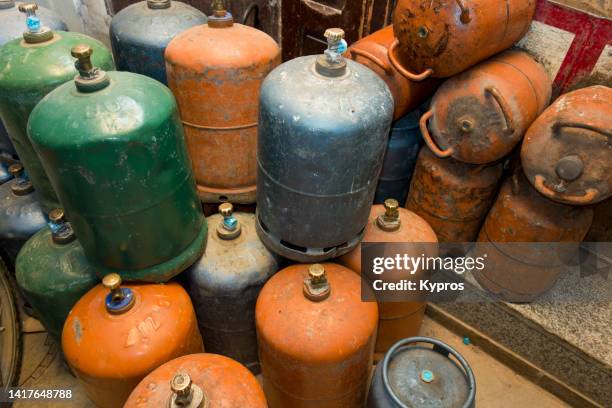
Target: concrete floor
497,385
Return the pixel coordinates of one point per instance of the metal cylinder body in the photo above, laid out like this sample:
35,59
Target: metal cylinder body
521,214
451,36
118,162
216,74
480,115
320,151
453,197
315,353
400,158
371,51
31,72
53,277
139,35
396,320
223,382
414,374
20,215
112,353
566,152
224,285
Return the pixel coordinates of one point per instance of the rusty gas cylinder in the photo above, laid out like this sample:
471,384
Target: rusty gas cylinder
567,152
198,381
116,335
442,38
480,115
316,337
390,223
371,51
421,372
215,71
521,215
453,197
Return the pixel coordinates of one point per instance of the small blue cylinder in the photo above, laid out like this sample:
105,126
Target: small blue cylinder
405,140
141,32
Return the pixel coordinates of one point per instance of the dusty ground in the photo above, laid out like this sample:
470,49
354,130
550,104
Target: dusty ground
497,385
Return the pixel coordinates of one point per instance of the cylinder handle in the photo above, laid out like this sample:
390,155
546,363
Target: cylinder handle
506,111
220,17
332,63
229,228
61,230
90,78
185,394
465,12
119,300
589,195
586,126
316,286
390,220
373,58
395,63
21,184
429,140
35,32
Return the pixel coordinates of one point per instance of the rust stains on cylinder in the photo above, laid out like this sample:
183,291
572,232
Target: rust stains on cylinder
453,197
397,320
371,51
215,71
480,115
567,151
316,337
522,215
442,38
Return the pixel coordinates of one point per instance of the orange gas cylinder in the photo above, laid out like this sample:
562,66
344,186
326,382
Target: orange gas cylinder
566,153
371,51
442,38
389,223
198,381
316,337
481,115
215,71
523,271
453,197
115,335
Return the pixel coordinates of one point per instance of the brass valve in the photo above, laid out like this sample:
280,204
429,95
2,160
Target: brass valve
316,286
57,216
158,4
334,35
15,169
112,282
61,230
21,185
185,394
90,78
220,17
229,228
331,63
28,8
83,53
390,220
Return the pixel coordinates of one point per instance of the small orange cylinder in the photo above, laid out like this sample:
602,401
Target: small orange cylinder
396,320
213,380
215,71
371,51
316,337
115,335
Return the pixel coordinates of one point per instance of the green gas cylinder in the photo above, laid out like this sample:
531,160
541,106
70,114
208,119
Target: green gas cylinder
113,147
53,273
30,67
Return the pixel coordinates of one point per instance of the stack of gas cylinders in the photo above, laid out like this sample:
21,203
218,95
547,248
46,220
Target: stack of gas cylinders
107,171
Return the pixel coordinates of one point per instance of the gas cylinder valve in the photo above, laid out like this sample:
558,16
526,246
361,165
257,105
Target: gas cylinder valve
90,78
316,285
220,17
185,394
390,220
331,63
119,299
36,32
159,4
230,227
22,184
61,230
